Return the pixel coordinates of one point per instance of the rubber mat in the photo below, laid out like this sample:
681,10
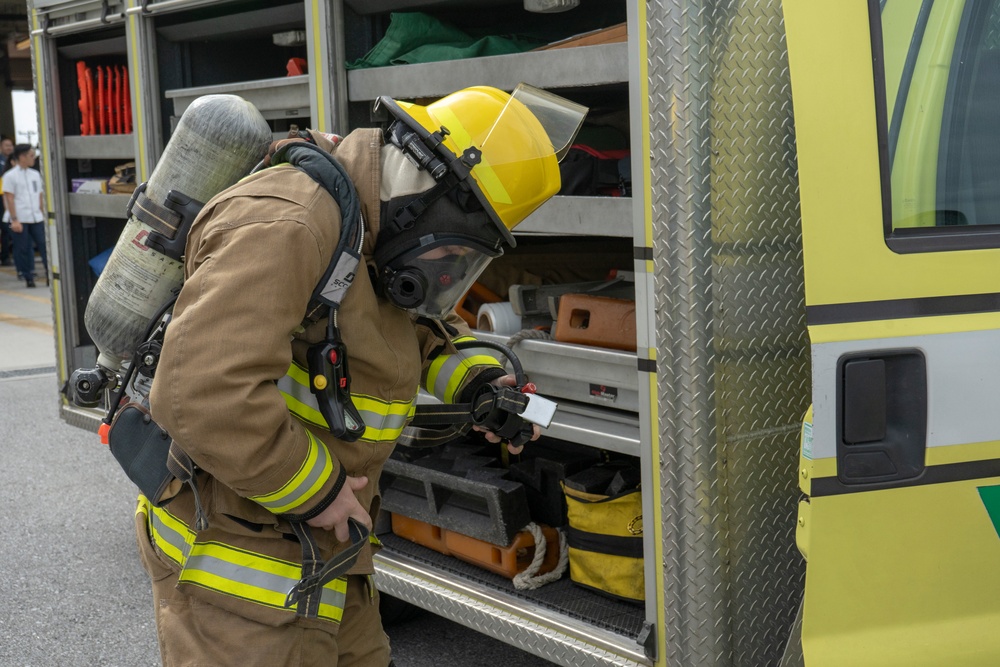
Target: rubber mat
563,596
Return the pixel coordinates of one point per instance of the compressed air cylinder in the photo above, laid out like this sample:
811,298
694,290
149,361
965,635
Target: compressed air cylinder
218,140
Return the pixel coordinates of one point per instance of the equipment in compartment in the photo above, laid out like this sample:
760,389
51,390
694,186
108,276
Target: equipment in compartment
604,511
458,487
104,100
507,561
596,320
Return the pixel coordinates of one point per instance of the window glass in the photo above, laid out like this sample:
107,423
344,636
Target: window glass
941,146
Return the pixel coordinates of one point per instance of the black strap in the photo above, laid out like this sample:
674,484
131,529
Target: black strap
160,218
182,467
306,594
332,177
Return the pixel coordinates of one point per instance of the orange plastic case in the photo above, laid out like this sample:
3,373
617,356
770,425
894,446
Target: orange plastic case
505,561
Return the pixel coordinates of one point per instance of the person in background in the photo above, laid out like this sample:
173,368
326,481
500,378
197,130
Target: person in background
6,237
22,194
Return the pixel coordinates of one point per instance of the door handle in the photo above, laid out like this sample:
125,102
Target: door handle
881,416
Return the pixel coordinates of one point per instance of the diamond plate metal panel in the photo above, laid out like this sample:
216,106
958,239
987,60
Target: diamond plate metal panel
732,351
516,622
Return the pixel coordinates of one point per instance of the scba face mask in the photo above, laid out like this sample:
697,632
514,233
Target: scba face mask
426,266
431,279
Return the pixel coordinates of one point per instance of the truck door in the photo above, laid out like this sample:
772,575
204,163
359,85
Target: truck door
897,114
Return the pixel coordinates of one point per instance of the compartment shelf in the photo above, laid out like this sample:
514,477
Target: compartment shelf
238,24
558,68
611,430
99,147
581,216
98,206
572,372
282,97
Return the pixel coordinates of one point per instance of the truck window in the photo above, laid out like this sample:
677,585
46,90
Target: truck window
937,80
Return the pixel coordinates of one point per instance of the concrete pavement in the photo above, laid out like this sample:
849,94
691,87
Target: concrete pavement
26,337
72,589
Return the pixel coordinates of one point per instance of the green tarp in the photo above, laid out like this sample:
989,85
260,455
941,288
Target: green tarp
414,37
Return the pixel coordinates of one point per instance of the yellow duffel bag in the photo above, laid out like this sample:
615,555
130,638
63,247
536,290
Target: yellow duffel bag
605,542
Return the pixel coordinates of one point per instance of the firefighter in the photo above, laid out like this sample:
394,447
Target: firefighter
439,191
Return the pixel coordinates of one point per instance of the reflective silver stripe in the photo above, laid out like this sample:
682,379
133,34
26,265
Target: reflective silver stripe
307,481
256,578
236,572
170,534
384,421
962,386
455,368
240,574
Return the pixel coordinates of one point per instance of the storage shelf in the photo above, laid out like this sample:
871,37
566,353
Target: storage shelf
558,68
238,24
581,216
379,6
100,147
98,206
611,430
577,372
284,97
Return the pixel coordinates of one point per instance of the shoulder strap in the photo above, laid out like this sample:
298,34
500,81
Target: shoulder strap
331,175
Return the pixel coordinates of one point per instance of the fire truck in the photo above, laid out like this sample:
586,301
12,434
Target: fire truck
803,219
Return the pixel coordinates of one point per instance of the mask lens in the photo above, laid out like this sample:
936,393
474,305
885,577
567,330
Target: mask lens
448,272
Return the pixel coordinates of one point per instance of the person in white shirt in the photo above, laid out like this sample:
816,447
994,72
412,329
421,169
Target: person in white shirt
22,194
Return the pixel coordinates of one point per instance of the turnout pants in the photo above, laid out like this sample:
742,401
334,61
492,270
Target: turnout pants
193,633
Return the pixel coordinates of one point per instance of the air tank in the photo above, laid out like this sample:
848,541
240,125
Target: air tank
218,140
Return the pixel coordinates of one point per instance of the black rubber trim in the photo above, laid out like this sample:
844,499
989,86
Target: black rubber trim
642,253
907,75
629,547
323,504
940,474
881,113
943,239
931,306
646,365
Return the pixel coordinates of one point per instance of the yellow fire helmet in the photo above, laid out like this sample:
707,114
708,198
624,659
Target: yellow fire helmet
510,144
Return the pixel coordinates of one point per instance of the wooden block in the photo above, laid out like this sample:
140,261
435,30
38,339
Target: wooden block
598,321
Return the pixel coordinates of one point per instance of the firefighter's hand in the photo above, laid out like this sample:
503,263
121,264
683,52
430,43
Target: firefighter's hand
536,430
343,507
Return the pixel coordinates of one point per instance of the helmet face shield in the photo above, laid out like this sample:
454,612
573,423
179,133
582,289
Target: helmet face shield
559,119
431,280
509,145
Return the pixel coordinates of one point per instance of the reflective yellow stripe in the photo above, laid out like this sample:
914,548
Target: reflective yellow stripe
384,420
306,483
235,572
254,577
448,372
172,536
483,171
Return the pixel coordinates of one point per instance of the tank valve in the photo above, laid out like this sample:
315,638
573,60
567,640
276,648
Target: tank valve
87,385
